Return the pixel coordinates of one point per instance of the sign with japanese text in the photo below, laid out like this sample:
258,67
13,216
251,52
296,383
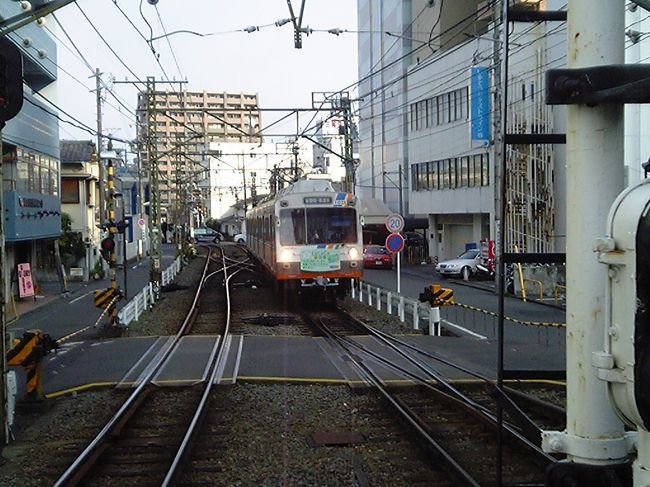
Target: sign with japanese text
320,260
480,106
25,284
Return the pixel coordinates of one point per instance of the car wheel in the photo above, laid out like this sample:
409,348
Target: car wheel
465,273
241,240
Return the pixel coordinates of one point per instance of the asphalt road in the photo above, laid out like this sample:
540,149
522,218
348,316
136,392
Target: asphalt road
67,315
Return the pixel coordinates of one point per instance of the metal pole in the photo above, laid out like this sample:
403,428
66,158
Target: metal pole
594,175
3,318
112,231
124,259
399,272
501,190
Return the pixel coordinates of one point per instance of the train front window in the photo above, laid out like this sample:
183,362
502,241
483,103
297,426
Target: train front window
331,225
292,227
318,226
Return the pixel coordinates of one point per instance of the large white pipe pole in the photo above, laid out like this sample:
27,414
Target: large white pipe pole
594,179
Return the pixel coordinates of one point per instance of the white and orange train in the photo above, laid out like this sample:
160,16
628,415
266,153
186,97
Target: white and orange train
308,237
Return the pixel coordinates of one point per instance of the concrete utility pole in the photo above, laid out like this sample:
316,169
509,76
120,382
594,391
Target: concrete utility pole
594,434
112,231
102,173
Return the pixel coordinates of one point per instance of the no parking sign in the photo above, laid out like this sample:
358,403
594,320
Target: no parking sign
395,243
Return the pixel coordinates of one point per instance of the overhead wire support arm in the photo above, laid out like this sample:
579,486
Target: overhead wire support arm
297,23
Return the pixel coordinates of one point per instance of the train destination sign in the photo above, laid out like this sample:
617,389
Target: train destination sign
320,260
395,243
395,223
317,200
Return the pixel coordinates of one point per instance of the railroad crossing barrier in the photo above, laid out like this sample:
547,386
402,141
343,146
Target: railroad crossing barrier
145,299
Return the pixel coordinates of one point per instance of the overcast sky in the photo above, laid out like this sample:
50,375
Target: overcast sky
264,62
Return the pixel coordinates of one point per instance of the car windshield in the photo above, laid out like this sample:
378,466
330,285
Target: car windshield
313,226
470,254
376,250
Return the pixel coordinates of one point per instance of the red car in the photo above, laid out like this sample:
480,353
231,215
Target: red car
377,257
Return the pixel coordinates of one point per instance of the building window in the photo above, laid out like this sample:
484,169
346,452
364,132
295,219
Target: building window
485,170
69,190
464,171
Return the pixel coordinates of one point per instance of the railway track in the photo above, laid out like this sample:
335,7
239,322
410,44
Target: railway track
146,442
458,431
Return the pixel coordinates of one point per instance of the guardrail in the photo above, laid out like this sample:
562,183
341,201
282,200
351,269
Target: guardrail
380,298
144,300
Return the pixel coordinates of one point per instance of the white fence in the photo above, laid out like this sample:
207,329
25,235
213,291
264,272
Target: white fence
404,307
145,298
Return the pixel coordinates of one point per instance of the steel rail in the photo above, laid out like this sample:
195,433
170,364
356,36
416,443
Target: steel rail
481,412
455,471
216,357
528,423
75,472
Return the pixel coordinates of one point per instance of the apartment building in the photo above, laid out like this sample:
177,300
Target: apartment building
185,123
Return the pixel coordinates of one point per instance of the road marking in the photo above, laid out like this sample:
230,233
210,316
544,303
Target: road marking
81,297
464,330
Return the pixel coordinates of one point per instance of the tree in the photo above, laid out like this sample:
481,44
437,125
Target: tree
212,223
70,242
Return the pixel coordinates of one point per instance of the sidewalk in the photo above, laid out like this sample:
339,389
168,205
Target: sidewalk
51,292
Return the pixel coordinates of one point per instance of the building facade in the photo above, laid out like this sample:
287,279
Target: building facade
185,123
80,199
246,172
30,156
450,137
383,151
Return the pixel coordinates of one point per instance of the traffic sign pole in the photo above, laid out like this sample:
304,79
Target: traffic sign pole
399,272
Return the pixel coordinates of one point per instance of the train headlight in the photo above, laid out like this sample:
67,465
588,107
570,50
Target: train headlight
353,253
285,255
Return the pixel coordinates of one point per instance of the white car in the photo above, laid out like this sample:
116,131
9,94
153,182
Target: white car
464,265
240,238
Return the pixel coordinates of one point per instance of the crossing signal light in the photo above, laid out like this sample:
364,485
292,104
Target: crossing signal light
11,80
107,247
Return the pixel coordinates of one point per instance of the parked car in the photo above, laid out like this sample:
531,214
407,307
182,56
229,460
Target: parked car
377,257
240,238
206,234
464,265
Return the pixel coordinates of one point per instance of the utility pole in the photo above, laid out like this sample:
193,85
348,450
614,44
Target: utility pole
348,160
102,173
155,272
497,121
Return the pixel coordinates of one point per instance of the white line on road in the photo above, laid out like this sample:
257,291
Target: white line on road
464,330
81,297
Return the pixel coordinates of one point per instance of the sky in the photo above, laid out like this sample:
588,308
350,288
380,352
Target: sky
263,62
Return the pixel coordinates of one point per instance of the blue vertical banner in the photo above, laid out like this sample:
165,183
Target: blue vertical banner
480,100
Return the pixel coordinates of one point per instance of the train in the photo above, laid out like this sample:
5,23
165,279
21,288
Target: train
308,238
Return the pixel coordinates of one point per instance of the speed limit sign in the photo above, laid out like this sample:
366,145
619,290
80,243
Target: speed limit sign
394,223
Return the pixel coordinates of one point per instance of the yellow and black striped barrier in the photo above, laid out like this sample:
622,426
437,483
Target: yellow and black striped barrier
512,320
28,353
104,296
437,296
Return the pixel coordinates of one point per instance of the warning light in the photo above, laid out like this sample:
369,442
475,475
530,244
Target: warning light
107,247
